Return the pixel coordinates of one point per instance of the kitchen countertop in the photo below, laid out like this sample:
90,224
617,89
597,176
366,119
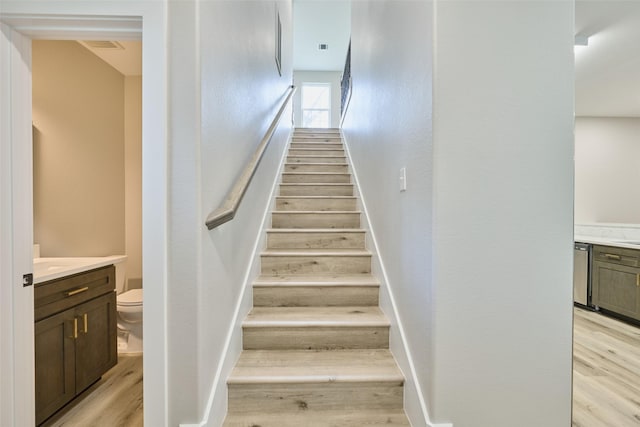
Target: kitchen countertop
608,241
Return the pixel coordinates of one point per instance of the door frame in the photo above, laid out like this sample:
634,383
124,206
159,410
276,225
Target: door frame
20,23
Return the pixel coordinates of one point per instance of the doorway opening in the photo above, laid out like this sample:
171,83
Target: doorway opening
43,22
87,205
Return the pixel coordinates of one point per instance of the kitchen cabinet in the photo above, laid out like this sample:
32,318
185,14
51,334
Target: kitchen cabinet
616,280
75,336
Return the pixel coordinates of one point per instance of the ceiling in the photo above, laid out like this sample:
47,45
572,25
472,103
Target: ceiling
607,71
124,56
316,22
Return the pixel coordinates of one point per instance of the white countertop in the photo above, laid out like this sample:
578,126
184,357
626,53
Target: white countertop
45,269
608,241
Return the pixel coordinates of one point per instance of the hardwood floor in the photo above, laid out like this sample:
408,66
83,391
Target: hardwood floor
114,401
606,381
606,371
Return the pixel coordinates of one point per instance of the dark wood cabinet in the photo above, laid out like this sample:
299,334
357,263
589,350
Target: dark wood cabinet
616,280
75,336
55,363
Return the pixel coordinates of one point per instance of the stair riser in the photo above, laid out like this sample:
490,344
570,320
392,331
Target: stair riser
318,145
311,152
323,204
316,159
335,168
311,240
315,296
283,264
274,398
331,139
306,178
315,220
315,338
349,418
317,190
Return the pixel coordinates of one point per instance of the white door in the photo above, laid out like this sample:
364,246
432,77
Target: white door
16,230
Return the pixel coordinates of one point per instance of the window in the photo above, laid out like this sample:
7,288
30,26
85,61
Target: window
316,105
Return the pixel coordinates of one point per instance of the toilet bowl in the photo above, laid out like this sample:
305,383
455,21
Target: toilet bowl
129,306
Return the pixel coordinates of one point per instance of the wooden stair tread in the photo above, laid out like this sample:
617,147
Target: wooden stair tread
306,156
296,366
320,280
371,418
316,164
317,212
316,184
315,230
303,317
316,173
316,252
318,197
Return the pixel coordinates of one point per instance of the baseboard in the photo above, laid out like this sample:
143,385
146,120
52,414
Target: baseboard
414,396
217,402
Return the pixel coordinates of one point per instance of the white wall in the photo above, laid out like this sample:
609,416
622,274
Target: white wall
389,126
489,197
607,170
225,90
332,77
503,147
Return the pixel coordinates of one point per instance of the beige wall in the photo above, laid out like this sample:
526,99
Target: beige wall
79,152
133,178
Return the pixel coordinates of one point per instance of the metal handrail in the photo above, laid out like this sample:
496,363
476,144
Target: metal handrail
229,207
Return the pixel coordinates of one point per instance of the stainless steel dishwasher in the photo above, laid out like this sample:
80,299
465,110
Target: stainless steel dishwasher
581,276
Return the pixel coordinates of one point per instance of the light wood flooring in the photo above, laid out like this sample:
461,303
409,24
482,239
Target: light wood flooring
606,381
114,401
606,371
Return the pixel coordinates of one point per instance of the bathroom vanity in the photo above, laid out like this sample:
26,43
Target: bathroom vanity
75,333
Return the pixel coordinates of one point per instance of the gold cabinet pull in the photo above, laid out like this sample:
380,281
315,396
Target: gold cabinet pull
612,256
85,322
75,328
638,280
77,291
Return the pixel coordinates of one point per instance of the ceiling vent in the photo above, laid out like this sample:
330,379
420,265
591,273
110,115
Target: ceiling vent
103,44
323,46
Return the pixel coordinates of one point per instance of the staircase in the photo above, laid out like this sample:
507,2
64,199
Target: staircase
316,343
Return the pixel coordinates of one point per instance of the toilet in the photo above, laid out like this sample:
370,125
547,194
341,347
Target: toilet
129,306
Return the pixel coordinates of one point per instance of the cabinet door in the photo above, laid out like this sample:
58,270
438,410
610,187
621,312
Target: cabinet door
54,363
617,288
96,346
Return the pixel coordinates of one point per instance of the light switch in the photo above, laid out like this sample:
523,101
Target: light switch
403,179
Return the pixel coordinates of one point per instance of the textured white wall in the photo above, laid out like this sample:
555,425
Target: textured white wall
489,198
388,127
225,90
503,213
607,170
332,77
